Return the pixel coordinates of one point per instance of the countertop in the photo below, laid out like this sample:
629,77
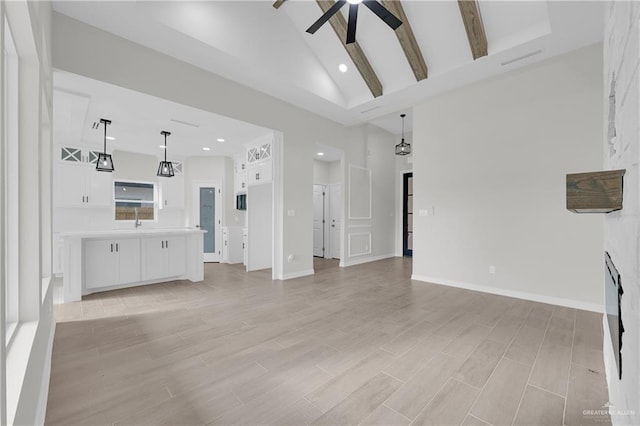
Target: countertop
130,232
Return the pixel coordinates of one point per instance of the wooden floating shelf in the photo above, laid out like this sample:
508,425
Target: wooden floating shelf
595,192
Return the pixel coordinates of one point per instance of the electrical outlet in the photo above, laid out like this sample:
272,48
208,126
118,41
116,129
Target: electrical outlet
492,269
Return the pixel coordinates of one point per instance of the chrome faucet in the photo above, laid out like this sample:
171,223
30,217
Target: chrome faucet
138,222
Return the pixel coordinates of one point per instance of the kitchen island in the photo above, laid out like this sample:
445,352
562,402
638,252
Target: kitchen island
98,261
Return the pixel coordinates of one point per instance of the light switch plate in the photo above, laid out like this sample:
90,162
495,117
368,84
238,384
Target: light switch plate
291,213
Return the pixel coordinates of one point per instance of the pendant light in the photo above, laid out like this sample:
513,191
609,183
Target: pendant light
105,162
165,169
403,148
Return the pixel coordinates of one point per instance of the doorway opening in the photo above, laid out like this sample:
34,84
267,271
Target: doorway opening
327,206
208,200
407,214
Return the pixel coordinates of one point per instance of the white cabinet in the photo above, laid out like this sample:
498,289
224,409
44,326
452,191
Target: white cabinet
232,246
75,155
70,185
258,152
98,188
99,261
111,262
177,263
259,174
240,178
172,192
80,185
164,257
240,183
259,163
245,245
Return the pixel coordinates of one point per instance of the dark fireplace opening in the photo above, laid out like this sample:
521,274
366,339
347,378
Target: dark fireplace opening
613,299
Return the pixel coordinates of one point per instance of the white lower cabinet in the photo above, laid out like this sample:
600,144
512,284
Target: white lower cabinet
107,260
111,262
164,257
177,250
245,246
232,246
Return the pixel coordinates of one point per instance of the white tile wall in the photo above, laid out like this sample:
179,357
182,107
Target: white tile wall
622,228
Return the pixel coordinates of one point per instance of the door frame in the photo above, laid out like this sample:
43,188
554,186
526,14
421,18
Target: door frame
405,222
195,214
336,246
326,243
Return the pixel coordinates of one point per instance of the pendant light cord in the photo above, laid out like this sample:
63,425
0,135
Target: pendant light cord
165,147
105,137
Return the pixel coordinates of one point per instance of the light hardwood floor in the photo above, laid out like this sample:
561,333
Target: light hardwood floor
359,345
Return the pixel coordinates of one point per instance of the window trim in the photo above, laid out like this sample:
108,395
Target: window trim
155,200
11,207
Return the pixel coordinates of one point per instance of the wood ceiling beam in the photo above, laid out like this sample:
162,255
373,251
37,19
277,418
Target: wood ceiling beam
278,3
339,24
473,25
408,40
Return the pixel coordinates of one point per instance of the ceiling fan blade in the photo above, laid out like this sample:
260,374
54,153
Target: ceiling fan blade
324,18
383,13
351,28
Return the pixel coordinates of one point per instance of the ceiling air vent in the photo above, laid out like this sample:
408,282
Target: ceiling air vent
520,58
369,110
185,123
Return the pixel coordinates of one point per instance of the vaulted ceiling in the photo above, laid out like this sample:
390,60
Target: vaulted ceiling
268,49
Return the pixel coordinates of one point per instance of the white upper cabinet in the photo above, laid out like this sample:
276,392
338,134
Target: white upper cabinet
259,174
98,187
172,192
259,163
240,177
81,185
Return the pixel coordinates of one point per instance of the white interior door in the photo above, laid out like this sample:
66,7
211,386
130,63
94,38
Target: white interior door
335,220
207,209
318,220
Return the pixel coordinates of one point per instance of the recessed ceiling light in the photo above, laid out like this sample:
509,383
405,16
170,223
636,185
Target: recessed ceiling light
163,146
354,1
206,148
320,154
111,138
220,140
343,67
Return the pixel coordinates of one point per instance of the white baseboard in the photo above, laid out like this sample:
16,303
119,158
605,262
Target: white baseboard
366,259
298,274
46,375
593,307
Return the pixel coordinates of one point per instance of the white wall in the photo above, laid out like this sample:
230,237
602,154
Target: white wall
320,172
326,172
25,362
79,48
622,234
490,161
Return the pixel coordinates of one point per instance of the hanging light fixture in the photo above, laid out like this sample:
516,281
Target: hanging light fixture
105,162
165,169
403,148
